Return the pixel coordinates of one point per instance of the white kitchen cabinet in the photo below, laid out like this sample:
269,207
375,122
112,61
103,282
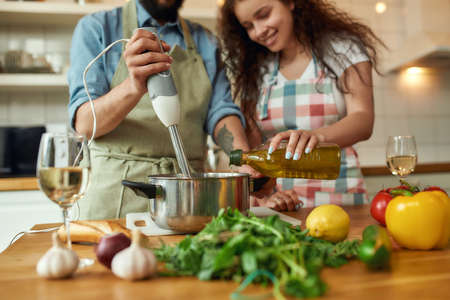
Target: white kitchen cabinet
31,82
68,13
21,210
53,14
47,13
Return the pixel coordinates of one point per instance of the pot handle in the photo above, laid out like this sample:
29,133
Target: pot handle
257,183
142,189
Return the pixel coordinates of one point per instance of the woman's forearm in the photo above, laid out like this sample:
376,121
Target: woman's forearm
352,129
358,124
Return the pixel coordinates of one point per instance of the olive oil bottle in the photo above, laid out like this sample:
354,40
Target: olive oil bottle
323,162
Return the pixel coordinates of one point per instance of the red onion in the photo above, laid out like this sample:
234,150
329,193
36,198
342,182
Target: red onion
109,245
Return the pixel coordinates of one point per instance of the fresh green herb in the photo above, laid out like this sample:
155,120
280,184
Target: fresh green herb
233,246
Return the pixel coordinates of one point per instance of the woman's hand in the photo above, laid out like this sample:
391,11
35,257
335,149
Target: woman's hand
299,141
143,58
280,201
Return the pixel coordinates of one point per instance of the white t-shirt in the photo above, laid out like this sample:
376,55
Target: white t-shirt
348,53
346,48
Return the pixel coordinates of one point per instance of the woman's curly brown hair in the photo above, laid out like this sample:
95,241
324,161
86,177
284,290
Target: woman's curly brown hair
316,24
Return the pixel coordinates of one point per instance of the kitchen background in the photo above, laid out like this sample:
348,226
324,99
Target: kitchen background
407,101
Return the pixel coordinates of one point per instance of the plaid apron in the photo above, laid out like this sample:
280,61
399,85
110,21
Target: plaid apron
309,103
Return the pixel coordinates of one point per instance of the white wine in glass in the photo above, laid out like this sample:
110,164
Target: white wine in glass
401,155
63,170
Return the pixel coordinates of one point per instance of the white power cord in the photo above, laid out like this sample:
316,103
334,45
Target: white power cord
18,235
91,102
94,129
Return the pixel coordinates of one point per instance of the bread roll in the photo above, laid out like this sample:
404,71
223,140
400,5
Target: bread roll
91,231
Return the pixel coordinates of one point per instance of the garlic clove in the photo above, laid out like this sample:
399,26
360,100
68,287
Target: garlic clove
58,261
134,262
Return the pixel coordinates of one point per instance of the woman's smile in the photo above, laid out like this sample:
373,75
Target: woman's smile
271,39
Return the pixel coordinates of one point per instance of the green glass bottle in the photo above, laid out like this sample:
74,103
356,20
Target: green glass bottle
323,162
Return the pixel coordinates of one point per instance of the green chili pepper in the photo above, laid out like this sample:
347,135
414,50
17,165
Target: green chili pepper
375,248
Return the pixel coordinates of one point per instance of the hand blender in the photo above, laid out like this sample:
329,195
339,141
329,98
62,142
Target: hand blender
164,96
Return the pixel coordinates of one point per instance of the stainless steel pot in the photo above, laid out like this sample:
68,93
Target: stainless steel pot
187,204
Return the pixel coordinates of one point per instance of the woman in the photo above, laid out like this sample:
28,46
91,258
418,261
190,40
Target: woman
302,71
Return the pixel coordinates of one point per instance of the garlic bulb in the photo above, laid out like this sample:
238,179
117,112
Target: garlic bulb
58,262
134,262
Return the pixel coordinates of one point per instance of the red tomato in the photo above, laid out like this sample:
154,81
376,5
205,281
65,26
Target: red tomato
434,188
378,206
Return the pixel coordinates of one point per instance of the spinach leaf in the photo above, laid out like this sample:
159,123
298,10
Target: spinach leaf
233,246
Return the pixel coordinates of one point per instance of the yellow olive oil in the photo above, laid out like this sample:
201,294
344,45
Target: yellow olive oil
323,162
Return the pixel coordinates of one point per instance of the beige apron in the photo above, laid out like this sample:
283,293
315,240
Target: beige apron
141,145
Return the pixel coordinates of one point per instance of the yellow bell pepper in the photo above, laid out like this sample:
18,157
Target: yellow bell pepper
421,221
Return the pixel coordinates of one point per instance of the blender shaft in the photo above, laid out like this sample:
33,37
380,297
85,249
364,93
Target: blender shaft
179,150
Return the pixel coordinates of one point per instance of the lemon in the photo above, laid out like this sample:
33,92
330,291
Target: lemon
328,222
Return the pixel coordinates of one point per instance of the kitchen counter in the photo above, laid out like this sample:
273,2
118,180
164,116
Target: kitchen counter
413,274
419,169
30,183
19,184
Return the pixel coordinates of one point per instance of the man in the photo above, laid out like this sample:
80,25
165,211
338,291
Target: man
130,141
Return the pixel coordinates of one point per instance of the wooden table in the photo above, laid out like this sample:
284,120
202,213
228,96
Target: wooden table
413,275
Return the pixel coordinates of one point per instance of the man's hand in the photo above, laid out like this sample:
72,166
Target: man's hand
249,170
143,58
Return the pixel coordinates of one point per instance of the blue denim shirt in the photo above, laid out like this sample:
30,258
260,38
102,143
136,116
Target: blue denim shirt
95,32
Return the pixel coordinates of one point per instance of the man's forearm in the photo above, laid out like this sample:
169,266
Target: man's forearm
110,110
229,134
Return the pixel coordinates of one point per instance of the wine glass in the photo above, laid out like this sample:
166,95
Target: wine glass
401,155
63,168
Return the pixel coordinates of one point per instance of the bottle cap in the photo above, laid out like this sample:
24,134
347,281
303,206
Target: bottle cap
235,157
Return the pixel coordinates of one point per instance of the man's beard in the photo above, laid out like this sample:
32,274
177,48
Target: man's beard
168,13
